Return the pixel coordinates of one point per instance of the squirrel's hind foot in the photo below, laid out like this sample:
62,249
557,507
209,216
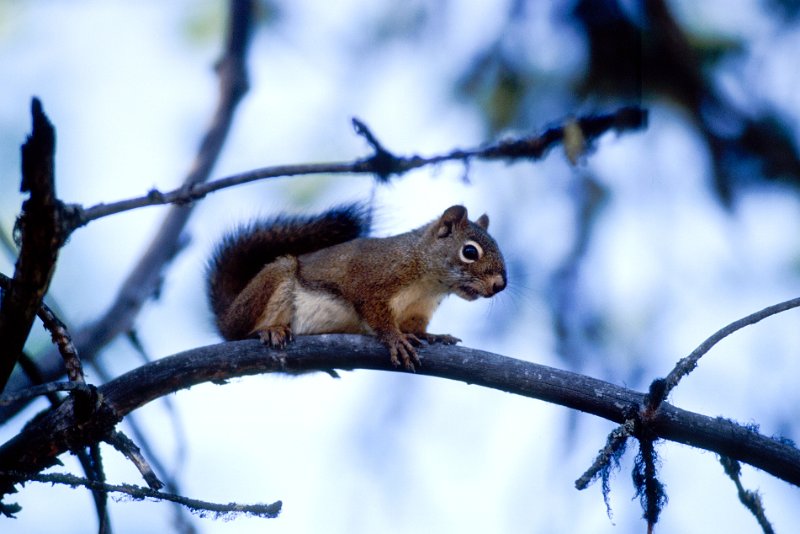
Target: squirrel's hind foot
276,337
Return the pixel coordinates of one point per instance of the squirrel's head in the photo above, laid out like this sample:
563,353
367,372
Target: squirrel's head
474,266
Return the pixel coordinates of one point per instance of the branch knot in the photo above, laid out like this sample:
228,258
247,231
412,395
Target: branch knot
382,163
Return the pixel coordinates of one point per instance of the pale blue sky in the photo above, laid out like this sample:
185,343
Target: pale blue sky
130,90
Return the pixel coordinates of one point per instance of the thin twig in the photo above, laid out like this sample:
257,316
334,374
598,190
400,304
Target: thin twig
383,163
750,499
201,508
689,363
31,370
58,333
127,447
615,441
132,421
62,339
42,389
607,459
176,426
98,475
100,499
90,461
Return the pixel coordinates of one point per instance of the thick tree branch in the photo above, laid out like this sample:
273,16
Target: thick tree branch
41,237
145,277
57,430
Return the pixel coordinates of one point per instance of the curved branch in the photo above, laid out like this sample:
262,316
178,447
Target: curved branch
688,364
38,445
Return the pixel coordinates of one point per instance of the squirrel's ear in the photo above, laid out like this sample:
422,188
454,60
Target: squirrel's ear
483,221
454,216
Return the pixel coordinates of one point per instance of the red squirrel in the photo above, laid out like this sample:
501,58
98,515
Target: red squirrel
319,274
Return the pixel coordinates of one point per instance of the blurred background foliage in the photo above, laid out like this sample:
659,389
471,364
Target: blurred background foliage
619,265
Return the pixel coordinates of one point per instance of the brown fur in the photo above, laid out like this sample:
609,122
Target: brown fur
388,287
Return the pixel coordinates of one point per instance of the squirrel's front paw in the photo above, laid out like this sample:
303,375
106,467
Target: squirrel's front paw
401,348
276,337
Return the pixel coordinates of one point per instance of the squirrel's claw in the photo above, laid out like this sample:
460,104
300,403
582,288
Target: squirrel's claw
276,337
401,348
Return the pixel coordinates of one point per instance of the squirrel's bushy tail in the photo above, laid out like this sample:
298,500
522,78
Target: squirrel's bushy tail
242,253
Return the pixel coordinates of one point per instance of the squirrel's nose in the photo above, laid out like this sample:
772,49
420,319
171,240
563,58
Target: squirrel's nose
498,283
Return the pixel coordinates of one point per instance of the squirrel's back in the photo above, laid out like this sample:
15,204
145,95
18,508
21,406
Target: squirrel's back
243,252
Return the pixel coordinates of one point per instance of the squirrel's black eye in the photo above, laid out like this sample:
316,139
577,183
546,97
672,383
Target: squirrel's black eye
470,252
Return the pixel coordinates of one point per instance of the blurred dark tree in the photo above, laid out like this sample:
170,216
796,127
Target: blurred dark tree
639,52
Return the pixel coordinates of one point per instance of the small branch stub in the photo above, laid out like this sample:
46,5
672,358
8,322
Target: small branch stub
383,163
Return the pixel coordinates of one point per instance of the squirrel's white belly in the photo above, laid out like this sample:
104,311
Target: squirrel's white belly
320,312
